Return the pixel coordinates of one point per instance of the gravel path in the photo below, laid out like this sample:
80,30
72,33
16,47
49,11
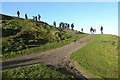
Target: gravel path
56,57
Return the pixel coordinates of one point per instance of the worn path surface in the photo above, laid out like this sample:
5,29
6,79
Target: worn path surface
56,57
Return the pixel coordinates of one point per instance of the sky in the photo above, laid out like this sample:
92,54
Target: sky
83,14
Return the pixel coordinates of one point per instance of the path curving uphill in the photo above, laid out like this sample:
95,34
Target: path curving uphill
56,57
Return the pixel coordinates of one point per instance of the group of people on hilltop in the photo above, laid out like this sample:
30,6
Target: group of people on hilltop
92,31
36,18
62,25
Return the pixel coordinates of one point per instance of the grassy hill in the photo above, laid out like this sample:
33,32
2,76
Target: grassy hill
99,58
24,36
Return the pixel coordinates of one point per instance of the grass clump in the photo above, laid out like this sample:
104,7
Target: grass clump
36,71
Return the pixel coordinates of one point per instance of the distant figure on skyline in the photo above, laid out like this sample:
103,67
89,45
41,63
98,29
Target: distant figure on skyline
72,26
39,17
59,25
18,13
68,26
26,16
35,18
82,29
95,30
54,24
101,30
91,30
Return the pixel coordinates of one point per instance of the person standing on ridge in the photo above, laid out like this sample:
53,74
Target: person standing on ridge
91,30
82,29
54,24
26,16
95,30
72,26
101,30
39,17
18,13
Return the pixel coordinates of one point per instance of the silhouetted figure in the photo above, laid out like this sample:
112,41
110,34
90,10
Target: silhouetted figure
91,30
33,18
101,30
54,24
39,17
63,25
68,26
59,25
82,29
72,26
26,16
18,13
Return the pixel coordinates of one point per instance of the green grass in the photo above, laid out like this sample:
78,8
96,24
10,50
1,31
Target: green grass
47,46
99,58
36,71
25,36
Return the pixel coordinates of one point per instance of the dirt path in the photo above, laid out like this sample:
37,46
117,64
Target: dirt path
57,57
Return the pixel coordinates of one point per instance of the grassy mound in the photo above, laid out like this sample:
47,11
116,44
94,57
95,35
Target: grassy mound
98,59
20,36
36,71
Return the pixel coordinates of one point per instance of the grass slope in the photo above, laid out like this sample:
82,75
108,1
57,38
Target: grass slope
36,71
24,36
99,58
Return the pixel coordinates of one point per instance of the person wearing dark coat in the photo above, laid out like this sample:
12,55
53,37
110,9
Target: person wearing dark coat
18,13
101,29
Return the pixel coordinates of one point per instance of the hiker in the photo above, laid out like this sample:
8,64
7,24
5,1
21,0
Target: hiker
63,25
101,30
82,29
26,16
68,26
95,30
91,30
33,18
18,13
72,26
39,17
59,25
54,24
